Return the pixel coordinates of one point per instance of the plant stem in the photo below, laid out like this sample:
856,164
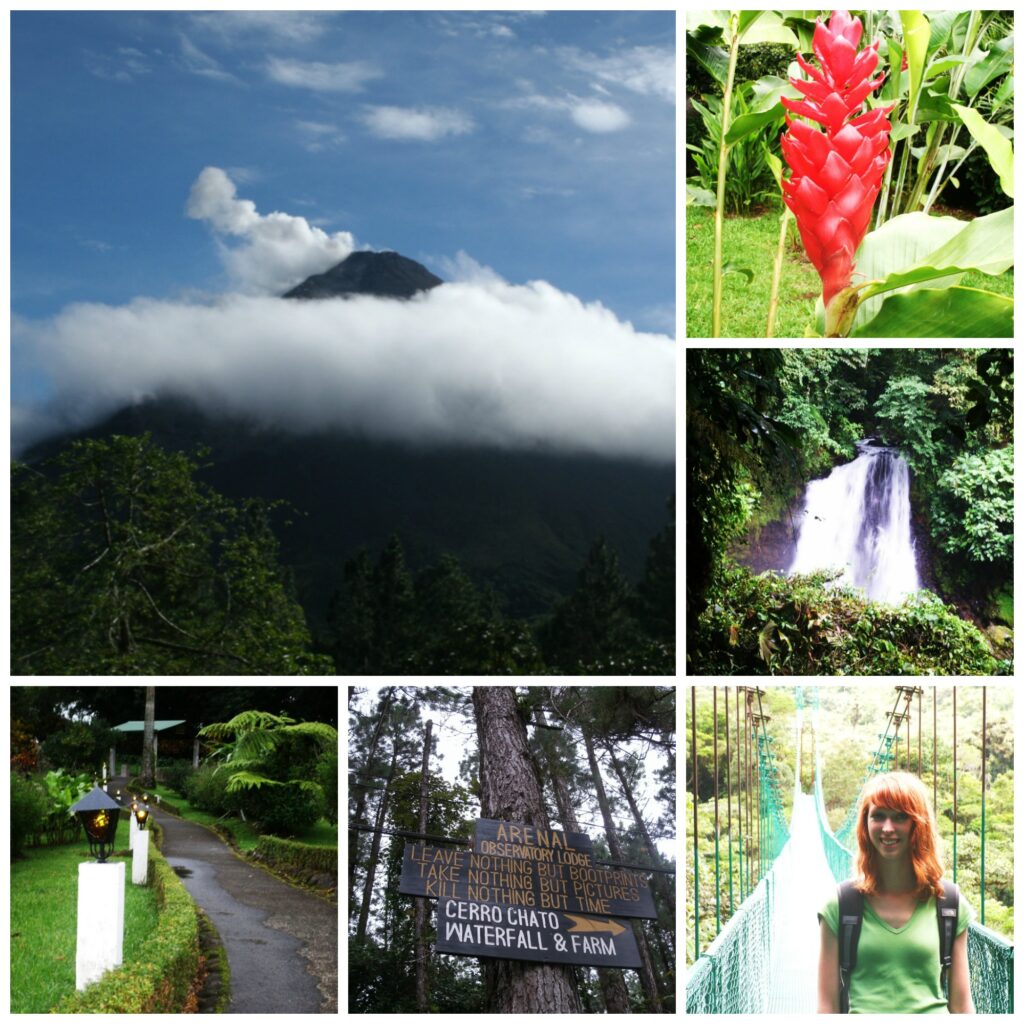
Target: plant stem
773,300
723,160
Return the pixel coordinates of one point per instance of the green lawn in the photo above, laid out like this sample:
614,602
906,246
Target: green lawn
44,907
751,242
245,836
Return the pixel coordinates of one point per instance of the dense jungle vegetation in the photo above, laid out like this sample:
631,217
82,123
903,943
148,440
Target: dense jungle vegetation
762,423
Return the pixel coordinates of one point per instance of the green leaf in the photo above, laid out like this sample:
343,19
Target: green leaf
935,105
942,313
776,168
732,268
893,81
765,109
984,244
766,27
998,62
998,148
916,33
898,244
713,59
941,64
696,196
903,131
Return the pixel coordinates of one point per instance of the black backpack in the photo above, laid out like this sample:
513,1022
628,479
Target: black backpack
851,913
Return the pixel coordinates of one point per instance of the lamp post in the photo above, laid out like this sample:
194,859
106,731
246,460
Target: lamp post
140,850
100,945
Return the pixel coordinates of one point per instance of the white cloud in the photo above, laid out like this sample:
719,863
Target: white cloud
416,124
320,77
481,363
598,116
277,250
125,64
196,62
317,135
234,27
648,70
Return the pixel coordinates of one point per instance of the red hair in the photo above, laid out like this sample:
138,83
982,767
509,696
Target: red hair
899,791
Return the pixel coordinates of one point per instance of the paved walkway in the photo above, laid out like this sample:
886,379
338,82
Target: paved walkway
281,942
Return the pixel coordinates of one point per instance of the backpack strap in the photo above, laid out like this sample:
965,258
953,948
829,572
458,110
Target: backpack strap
947,909
851,914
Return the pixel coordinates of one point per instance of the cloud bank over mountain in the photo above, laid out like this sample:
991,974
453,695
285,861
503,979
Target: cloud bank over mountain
478,361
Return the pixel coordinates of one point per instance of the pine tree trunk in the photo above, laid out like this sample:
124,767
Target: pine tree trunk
422,907
647,976
510,790
148,732
613,985
383,709
663,890
371,867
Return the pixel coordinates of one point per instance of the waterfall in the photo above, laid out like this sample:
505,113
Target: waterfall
858,519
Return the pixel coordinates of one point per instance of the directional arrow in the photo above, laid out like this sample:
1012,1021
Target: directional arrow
594,924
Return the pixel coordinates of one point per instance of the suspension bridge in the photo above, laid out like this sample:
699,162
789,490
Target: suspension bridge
764,958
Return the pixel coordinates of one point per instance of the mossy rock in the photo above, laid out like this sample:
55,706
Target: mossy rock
1001,637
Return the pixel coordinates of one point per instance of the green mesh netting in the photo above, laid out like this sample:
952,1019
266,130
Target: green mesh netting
990,958
733,975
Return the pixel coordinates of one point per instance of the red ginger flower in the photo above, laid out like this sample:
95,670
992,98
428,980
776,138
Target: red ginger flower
836,172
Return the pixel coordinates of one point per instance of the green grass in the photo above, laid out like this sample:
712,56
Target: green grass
245,836
751,242
44,908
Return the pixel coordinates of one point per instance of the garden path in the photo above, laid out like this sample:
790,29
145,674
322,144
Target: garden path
281,942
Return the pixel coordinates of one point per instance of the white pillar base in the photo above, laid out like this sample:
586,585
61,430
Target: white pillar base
140,858
132,829
100,944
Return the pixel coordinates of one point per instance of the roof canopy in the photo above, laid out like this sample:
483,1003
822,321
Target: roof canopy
140,726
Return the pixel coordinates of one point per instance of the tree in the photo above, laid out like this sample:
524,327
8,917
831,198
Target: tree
123,563
271,763
148,733
510,790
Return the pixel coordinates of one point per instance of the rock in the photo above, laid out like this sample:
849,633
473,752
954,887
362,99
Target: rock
1000,637
383,274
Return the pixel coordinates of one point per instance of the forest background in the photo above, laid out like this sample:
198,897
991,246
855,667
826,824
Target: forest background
605,757
851,722
762,423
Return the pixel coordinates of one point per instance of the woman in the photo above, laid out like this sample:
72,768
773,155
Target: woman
897,966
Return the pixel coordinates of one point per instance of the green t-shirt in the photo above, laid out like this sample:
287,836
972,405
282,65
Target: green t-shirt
897,968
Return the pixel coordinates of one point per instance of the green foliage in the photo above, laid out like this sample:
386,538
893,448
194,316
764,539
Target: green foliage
269,764
78,745
176,775
287,852
327,778
28,810
123,563
160,978
206,788
749,177
972,509
770,625
910,422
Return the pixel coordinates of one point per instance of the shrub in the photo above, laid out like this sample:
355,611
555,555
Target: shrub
78,747
176,775
327,776
286,853
161,980
28,811
284,810
207,789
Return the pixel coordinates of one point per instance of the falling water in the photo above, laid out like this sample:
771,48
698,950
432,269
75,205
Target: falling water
858,519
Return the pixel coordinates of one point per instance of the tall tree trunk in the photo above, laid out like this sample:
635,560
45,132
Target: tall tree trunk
383,710
648,978
148,732
613,985
422,907
510,790
665,891
371,867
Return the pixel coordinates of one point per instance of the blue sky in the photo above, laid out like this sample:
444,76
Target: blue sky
542,145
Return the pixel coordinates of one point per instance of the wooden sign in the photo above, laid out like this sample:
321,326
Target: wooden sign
510,932
506,839
553,879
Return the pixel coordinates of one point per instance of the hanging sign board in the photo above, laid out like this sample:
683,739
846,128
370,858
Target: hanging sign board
545,874
505,839
472,928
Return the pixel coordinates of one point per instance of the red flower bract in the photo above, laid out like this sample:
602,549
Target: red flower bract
836,172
